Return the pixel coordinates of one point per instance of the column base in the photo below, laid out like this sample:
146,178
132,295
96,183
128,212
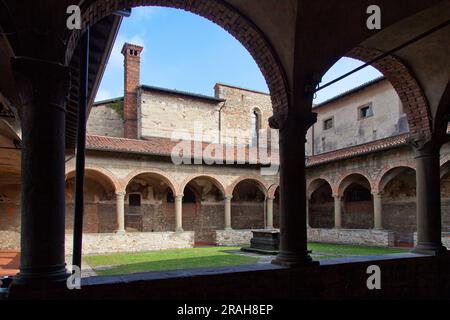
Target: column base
228,229
430,249
179,230
120,232
39,284
294,260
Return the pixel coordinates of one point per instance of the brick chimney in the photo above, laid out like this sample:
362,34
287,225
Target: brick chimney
132,66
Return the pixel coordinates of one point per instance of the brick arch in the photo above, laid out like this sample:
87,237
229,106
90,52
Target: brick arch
218,12
160,174
381,181
310,187
272,190
445,159
404,82
445,165
217,181
108,175
264,186
339,187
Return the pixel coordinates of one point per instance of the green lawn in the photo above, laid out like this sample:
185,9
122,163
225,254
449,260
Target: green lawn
338,250
126,263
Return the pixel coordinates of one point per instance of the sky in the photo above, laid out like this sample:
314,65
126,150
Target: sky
186,52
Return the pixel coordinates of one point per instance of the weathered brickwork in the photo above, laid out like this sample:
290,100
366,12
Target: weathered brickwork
411,94
348,127
105,121
163,114
372,238
132,242
233,237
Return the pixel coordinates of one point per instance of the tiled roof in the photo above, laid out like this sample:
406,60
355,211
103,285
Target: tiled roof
370,147
349,92
163,147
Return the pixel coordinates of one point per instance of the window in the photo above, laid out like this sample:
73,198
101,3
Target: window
365,111
134,200
328,124
254,128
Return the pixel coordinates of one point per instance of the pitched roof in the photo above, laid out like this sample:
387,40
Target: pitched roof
164,147
359,150
349,92
182,93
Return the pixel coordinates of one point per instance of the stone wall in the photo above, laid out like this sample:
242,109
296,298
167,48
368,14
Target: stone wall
161,114
445,239
9,240
233,237
372,238
105,121
132,242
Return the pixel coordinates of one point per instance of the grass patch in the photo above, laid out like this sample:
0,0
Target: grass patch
126,263
337,249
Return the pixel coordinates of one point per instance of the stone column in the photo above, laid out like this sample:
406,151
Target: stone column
120,209
293,232
377,211
228,212
337,211
429,223
307,211
269,215
179,213
43,88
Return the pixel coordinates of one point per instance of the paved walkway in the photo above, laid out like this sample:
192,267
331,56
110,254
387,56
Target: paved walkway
9,263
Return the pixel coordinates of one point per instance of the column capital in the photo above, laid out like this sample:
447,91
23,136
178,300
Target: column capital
378,194
121,194
39,79
337,196
228,197
270,198
282,120
424,146
179,196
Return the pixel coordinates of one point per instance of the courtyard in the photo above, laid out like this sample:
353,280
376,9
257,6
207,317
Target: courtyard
208,257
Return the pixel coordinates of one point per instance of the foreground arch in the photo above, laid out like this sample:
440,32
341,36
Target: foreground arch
216,11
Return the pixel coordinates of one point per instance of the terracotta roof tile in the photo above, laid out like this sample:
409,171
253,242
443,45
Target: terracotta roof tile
163,147
370,147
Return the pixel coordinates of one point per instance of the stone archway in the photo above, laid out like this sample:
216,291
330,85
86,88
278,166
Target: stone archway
218,12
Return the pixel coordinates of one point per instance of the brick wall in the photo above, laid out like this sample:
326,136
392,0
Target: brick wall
132,54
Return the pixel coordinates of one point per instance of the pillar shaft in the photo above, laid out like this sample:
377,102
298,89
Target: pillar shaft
429,224
293,232
377,211
120,209
227,201
307,212
43,87
269,208
179,214
337,211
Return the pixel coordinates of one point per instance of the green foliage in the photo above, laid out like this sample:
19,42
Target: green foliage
117,106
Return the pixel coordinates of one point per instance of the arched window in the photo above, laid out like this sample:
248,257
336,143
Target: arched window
255,128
